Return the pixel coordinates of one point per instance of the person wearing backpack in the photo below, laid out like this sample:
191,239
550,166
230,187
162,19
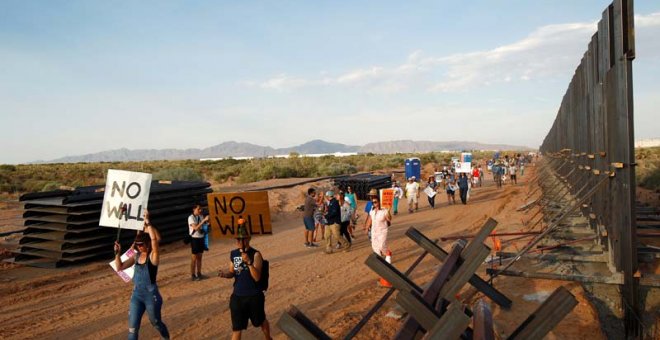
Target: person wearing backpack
250,273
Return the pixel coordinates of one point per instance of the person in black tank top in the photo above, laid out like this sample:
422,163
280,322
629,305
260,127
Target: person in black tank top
146,296
247,301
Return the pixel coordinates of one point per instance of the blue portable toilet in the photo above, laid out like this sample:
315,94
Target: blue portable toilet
413,168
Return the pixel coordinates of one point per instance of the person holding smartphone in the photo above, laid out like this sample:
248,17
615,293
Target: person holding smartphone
195,224
247,302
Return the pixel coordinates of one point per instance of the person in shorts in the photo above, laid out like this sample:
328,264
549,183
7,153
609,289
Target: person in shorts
412,193
308,217
195,224
247,302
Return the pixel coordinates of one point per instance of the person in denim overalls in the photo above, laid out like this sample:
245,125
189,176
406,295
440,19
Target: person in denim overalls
145,291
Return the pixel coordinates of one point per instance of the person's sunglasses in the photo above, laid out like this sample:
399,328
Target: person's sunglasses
374,202
139,244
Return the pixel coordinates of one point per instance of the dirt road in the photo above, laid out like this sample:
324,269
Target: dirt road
91,302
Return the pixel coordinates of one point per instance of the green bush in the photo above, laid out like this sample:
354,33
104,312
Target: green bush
178,174
651,181
50,186
7,167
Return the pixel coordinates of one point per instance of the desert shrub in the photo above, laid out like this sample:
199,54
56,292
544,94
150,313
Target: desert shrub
178,174
50,186
647,171
651,180
336,169
222,174
31,185
7,167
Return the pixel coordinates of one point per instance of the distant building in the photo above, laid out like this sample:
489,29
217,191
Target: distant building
222,158
647,143
336,154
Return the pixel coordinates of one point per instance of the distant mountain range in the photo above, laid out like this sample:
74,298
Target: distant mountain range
235,149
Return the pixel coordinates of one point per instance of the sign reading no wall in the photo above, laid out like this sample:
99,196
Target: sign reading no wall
226,208
125,188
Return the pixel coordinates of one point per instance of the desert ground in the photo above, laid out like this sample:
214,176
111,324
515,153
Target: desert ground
91,302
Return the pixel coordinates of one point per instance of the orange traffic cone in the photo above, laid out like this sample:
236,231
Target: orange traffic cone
381,281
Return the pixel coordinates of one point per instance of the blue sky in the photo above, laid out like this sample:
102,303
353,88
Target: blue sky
79,77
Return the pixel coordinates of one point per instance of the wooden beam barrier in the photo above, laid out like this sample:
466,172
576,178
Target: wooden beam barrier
451,326
297,326
411,325
482,322
476,281
547,316
391,274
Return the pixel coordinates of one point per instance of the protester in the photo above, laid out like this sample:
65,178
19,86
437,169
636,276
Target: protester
308,217
353,201
247,302
463,186
412,193
451,190
146,296
504,169
497,174
367,207
346,214
398,194
522,168
431,183
378,222
332,230
319,220
512,174
195,224
475,176
481,176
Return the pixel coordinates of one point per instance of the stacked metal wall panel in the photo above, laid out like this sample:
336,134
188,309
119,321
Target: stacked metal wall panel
62,227
362,183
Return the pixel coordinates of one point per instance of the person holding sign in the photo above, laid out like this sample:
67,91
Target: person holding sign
195,224
463,187
247,301
431,186
146,296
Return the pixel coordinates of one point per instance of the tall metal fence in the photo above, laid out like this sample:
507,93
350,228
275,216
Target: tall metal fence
592,138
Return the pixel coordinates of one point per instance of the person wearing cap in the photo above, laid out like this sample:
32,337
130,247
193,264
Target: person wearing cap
247,302
412,193
346,216
333,228
146,296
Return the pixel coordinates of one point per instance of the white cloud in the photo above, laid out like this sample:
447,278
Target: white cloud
549,51
652,19
283,82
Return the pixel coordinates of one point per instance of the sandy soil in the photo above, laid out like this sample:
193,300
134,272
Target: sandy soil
91,302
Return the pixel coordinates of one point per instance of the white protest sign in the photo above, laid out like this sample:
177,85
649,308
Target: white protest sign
464,167
125,188
126,274
429,192
465,164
